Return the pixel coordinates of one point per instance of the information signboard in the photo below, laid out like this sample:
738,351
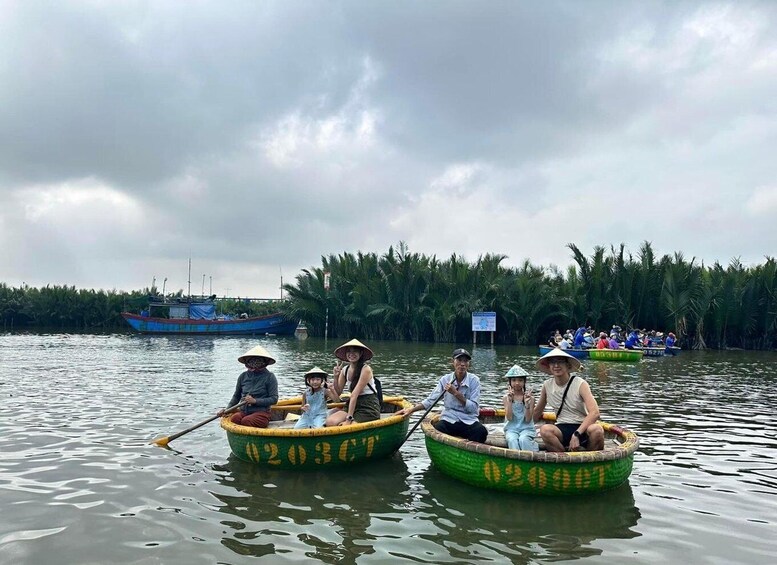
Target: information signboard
483,321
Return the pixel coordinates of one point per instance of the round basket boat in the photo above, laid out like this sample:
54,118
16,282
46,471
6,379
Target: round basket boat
577,353
280,446
616,354
492,465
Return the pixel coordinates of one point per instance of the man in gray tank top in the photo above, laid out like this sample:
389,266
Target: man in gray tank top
576,408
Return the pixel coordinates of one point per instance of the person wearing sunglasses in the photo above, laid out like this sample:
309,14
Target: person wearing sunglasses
257,386
576,408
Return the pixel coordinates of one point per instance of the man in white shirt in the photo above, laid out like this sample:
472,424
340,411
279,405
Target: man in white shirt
461,390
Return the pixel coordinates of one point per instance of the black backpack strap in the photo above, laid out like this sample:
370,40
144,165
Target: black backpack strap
564,396
345,375
377,382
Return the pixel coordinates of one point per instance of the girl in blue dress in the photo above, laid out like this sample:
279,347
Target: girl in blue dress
519,411
317,392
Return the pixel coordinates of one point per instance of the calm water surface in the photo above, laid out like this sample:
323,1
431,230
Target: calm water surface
79,482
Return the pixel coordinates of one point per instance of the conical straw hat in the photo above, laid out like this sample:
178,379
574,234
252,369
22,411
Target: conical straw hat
366,353
257,351
316,372
542,364
516,371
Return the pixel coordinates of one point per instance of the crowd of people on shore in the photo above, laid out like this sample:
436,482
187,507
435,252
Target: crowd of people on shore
564,392
617,338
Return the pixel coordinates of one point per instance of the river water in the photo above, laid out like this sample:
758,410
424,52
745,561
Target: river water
79,482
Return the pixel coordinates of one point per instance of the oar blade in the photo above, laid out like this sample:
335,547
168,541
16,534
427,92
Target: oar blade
163,441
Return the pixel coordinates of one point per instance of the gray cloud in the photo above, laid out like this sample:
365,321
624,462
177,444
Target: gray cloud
260,136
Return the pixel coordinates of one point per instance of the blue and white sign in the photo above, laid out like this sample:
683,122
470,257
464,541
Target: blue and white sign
483,321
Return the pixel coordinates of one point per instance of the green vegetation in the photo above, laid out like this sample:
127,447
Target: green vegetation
408,296
65,308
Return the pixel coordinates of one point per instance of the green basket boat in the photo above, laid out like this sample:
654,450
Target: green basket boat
280,446
491,465
616,354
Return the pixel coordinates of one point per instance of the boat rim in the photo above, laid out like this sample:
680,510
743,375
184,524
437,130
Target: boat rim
622,451
622,350
398,401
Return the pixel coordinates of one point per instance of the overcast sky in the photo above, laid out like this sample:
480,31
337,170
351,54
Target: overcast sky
256,137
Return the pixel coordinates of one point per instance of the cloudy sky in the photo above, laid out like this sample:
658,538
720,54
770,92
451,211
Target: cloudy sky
256,137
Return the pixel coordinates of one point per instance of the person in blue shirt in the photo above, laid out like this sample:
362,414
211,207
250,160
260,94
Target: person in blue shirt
577,343
670,339
314,399
461,407
632,341
519,412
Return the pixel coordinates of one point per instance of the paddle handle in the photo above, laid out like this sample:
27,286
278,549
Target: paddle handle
191,429
195,426
421,419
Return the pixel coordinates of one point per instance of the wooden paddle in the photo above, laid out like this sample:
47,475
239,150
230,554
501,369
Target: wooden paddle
163,441
421,419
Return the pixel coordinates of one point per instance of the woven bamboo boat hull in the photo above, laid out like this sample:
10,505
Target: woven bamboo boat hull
318,448
576,353
629,355
543,473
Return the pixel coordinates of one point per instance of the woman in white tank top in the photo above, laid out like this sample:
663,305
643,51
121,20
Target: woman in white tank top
356,376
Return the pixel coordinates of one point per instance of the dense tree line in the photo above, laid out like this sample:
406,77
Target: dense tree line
409,296
66,308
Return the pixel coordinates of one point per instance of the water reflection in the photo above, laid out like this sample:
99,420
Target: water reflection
327,515
704,481
485,359
528,527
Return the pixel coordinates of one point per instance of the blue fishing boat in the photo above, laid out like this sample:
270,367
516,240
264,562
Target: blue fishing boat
200,318
672,350
576,353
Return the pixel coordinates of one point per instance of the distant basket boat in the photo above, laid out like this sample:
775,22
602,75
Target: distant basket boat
616,354
280,446
574,352
491,465
199,317
654,351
